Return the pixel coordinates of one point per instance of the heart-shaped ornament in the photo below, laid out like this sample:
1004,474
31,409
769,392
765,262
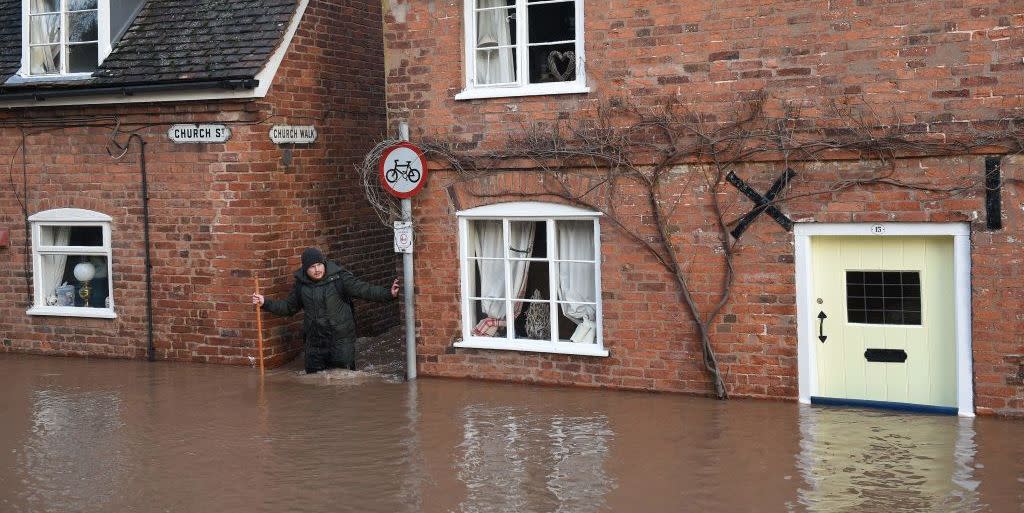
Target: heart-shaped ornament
562,65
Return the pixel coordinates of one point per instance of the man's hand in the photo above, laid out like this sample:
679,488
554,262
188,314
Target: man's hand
395,288
258,299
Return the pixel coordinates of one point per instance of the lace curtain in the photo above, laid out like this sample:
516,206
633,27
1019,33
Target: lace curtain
43,30
53,265
494,63
576,280
488,244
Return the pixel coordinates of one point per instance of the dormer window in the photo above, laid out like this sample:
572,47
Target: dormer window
64,37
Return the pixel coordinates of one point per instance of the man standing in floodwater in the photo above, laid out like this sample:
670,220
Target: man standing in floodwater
324,291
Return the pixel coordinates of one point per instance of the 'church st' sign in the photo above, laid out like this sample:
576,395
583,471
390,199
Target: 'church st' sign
184,134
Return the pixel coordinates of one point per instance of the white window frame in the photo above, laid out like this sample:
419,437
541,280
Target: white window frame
72,217
102,34
529,211
522,87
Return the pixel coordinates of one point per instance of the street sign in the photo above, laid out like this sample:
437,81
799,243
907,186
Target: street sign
186,134
289,134
403,170
403,237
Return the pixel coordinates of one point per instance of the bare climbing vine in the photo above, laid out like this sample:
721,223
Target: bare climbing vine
589,162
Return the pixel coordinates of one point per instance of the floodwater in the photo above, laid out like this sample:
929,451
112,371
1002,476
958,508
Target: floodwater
81,435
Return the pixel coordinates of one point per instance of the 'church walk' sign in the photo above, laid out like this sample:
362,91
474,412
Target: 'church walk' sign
289,134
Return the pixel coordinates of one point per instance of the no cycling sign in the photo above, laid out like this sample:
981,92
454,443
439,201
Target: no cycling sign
403,170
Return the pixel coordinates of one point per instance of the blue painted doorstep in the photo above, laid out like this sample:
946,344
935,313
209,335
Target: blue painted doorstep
861,403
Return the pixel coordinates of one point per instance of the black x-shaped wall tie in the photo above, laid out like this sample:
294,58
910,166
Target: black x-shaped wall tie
761,203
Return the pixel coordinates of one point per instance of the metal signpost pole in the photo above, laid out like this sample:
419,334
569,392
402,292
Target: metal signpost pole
409,285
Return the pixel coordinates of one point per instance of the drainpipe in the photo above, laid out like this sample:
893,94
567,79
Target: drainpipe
150,346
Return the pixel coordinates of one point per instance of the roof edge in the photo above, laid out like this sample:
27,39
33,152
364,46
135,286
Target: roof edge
129,90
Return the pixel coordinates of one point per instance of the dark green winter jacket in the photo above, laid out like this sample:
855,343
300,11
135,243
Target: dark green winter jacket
322,303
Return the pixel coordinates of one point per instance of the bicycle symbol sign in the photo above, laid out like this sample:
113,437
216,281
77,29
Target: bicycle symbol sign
403,170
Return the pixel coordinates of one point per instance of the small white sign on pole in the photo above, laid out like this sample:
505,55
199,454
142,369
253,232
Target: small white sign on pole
289,134
403,237
185,133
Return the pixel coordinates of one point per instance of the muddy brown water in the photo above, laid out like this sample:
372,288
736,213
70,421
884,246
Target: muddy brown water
123,436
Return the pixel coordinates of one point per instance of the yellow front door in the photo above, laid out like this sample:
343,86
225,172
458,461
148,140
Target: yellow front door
884,319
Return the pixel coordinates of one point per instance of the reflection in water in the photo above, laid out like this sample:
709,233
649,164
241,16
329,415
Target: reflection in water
70,454
579,447
114,436
857,461
509,454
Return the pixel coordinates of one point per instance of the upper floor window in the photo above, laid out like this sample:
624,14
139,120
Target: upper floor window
531,278
71,255
64,37
523,47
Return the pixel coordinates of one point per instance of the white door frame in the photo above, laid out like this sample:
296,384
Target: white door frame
961,234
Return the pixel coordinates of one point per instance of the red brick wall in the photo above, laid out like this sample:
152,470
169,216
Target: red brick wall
218,212
927,63
926,60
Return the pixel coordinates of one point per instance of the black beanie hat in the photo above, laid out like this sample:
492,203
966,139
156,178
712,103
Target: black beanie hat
311,256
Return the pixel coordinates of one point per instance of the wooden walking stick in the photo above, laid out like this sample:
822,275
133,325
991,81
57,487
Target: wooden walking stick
259,324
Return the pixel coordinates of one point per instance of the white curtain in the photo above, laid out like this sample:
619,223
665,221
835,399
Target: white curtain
576,280
43,30
494,65
488,244
53,265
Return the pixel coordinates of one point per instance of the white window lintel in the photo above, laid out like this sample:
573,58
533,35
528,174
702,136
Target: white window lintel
69,215
534,209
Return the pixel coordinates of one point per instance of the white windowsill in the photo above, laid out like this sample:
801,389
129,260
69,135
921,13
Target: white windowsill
72,311
477,93
42,79
533,346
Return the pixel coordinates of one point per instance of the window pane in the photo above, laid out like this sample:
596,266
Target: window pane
83,58
38,6
486,239
533,321
71,236
484,4
486,320
552,22
538,282
496,66
495,43
522,236
44,60
80,5
575,240
889,297
577,285
44,29
82,27
75,280
487,278
553,63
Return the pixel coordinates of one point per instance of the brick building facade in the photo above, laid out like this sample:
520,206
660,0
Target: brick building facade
219,213
940,69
